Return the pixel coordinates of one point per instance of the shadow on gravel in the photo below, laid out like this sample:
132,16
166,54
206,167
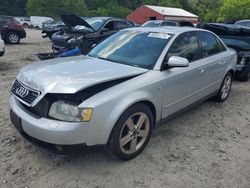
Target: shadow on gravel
4,66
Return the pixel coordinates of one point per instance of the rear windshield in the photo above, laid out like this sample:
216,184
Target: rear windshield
151,24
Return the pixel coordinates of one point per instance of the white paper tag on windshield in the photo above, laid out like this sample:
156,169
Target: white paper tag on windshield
159,35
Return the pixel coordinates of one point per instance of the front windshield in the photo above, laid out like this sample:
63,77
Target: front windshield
134,48
95,23
151,24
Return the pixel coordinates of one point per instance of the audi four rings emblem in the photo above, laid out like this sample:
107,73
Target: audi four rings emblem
22,92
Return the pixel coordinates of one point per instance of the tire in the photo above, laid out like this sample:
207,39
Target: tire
225,88
244,75
2,53
12,38
128,140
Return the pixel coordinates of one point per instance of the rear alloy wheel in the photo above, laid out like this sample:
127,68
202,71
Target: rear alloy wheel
12,38
131,132
225,88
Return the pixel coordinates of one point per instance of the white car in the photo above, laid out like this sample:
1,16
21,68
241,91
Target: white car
25,21
37,21
2,50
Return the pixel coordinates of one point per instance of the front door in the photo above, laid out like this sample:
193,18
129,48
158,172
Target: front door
182,86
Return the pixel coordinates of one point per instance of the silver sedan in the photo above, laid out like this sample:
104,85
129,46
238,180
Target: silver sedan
117,94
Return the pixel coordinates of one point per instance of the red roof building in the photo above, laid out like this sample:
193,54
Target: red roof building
147,12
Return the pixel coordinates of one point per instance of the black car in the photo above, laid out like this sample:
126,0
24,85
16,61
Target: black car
238,38
51,27
86,33
11,31
245,23
162,23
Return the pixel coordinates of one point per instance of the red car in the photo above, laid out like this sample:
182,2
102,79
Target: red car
11,31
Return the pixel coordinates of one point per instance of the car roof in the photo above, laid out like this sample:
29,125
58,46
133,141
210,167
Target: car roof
160,21
243,21
107,18
166,29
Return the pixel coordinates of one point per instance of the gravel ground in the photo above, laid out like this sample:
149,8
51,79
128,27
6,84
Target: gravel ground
208,146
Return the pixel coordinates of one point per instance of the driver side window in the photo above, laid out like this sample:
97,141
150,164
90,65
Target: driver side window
109,26
186,46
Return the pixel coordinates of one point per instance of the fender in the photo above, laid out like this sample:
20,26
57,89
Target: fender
107,119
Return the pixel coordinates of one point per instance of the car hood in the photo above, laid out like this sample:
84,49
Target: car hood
72,20
69,75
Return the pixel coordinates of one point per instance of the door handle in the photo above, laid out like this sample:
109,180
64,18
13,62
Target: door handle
222,62
201,70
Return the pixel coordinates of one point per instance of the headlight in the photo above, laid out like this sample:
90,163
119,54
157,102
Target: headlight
243,61
67,112
72,40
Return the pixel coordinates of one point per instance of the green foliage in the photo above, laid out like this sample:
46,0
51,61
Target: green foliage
235,9
13,7
54,8
118,11
208,10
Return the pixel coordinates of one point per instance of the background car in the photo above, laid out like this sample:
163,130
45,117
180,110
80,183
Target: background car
2,49
25,21
51,27
87,32
125,87
161,23
11,30
236,37
245,23
37,21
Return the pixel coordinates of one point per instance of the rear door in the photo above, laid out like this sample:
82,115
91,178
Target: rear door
213,54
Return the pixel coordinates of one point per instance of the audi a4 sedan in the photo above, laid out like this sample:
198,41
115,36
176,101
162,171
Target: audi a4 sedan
117,94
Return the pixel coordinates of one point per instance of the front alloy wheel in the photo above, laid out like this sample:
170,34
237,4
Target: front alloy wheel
134,133
131,132
12,38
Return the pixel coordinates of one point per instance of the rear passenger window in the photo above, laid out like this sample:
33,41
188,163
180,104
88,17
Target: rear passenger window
209,44
186,45
118,25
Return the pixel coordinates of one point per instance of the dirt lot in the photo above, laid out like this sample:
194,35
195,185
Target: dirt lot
209,146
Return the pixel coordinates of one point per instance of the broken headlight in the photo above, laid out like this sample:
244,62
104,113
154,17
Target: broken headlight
67,112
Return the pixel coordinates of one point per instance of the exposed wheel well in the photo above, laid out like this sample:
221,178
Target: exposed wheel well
151,107
232,72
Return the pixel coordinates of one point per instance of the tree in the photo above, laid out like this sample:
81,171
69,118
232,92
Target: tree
208,10
13,7
234,10
56,7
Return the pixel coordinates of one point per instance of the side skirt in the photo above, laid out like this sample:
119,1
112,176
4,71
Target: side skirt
168,118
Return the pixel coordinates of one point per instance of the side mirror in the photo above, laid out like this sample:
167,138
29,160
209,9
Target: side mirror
94,45
105,30
176,61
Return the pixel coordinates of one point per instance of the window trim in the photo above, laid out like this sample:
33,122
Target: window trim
199,49
112,20
217,39
127,23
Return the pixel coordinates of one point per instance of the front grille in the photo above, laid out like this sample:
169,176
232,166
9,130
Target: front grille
40,110
24,93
